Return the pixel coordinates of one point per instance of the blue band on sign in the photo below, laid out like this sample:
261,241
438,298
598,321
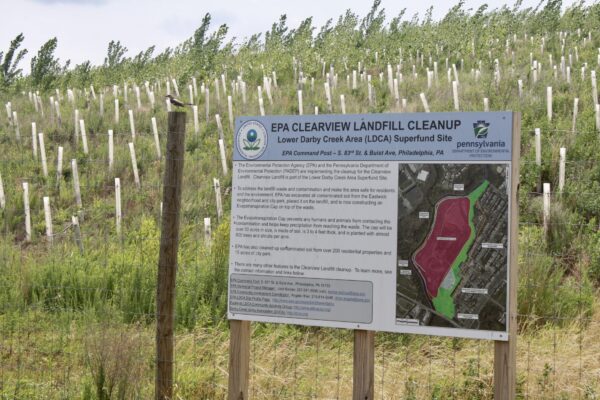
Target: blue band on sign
465,136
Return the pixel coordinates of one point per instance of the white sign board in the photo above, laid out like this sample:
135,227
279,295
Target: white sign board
386,222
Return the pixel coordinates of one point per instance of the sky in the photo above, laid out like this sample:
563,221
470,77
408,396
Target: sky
84,27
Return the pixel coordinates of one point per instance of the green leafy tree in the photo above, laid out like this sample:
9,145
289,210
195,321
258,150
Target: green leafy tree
371,26
275,38
200,35
141,62
301,39
115,55
82,73
204,48
9,61
45,67
324,32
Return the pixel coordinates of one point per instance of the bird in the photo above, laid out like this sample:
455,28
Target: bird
176,102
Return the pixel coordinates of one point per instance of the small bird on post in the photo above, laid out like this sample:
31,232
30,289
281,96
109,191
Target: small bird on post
176,102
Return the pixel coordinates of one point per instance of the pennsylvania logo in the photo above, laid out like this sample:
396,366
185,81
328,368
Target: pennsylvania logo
251,140
481,129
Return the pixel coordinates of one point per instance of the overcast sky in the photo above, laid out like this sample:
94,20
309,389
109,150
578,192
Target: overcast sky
84,27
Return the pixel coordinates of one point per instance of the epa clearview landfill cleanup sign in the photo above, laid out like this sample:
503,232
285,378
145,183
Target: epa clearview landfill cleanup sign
386,222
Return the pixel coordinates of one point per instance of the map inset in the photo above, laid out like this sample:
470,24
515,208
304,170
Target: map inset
452,245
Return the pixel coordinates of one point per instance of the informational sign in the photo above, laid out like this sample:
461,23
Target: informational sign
386,222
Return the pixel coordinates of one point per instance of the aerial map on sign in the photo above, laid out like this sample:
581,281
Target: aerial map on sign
452,245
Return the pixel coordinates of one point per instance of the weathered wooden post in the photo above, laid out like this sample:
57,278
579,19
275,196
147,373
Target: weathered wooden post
167,263
505,352
363,384
239,360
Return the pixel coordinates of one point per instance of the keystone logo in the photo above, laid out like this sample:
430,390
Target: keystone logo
481,129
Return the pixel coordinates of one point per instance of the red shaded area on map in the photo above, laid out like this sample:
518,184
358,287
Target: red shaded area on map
435,257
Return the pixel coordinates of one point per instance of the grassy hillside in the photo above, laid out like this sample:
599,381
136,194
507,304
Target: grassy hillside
79,324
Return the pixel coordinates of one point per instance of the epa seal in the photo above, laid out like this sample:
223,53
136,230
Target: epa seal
251,140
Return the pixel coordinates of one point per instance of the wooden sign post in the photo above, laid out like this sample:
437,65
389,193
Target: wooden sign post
505,352
363,382
167,263
239,360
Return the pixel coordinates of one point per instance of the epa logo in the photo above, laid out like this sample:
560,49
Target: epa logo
251,140
481,129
